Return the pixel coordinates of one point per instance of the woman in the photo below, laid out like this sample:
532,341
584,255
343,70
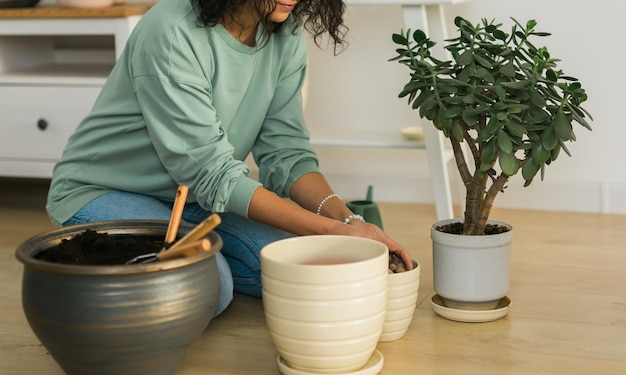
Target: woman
200,85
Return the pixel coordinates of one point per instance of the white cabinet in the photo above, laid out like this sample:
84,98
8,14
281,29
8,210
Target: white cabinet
53,63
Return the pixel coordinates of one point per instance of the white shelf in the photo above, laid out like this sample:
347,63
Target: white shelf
58,74
365,138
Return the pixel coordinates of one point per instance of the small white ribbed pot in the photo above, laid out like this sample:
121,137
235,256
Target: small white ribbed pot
402,291
471,272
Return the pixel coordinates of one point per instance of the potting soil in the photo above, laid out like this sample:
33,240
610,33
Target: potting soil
93,248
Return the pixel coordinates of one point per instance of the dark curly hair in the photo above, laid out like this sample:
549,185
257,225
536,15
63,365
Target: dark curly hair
318,17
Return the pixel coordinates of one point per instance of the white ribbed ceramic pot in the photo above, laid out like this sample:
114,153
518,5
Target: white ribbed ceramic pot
325,300
402,292
471,272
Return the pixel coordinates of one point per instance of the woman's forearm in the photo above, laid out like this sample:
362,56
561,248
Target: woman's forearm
313,192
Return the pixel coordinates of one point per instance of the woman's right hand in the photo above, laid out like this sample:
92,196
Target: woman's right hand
359,228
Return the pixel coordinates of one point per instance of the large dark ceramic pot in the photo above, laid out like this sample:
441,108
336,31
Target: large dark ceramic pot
120,319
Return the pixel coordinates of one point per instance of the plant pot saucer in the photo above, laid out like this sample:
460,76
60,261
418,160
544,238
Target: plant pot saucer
372,367
471,316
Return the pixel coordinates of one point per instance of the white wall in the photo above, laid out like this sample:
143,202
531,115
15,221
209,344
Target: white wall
357,90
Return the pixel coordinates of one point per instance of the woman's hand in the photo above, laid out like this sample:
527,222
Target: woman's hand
360,228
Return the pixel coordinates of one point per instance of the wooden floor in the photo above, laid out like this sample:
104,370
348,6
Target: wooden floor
568,292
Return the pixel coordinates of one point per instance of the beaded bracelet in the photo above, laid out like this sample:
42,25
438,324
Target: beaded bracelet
349,219
319,207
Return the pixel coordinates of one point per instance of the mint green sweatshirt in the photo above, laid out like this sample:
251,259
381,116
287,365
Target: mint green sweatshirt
185,105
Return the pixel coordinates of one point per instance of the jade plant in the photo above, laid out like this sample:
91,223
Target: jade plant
500,96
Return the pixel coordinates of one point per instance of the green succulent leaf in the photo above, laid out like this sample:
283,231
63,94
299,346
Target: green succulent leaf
549,139
454,112
428,106
515,128
508,163
539,154
482,98
457,131
551,75
485,75
492,128
421,98
470,117
529,170
446,122
469,99
501,35
482,61
537,99
580,119
538,117
500,92
562,126
555,153
447,89
508,70
504,142
485,167
488,153
399,39
565,149
435,119
419,36
466,58
516,84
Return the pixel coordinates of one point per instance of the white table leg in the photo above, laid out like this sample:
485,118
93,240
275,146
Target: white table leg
419,17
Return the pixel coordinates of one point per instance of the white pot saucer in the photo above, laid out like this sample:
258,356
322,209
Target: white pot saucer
471,316
372,367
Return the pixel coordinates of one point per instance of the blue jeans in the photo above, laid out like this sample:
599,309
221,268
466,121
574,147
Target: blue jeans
238,261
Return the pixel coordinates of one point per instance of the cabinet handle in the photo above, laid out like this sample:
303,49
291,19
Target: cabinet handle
42,124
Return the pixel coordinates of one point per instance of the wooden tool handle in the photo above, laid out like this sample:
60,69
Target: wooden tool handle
177,212
186,250
199,231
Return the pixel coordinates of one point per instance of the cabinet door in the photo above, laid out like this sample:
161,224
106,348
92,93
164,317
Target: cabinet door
35,122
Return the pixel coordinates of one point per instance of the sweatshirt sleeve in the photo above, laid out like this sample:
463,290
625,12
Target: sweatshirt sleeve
283,150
